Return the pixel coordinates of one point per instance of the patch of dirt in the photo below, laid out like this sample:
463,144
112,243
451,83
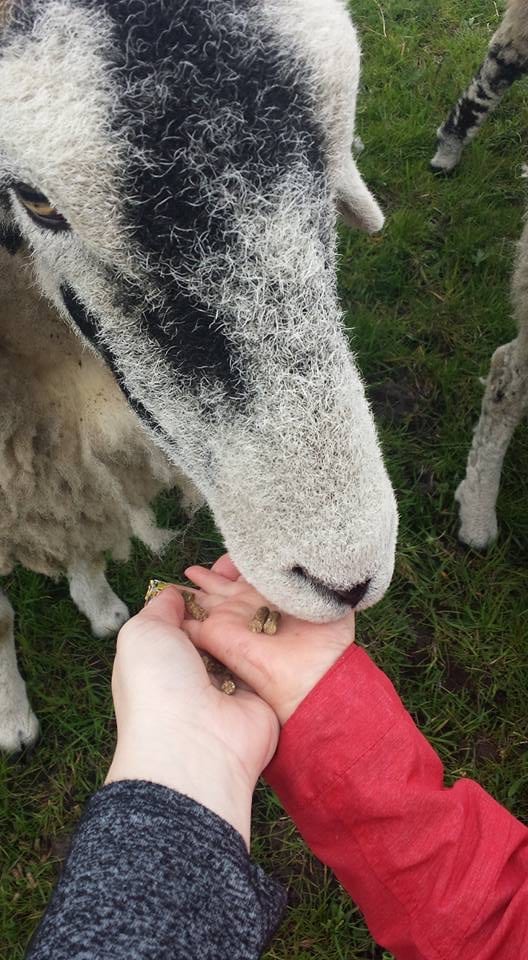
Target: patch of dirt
487,749
419,653
500,698
394,402
456,678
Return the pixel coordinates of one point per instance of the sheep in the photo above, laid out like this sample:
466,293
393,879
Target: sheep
505,400
175,172
506,61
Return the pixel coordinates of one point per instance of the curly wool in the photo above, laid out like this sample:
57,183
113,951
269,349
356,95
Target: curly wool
77,474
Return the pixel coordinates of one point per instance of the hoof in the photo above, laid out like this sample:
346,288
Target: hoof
109,619
19,736
478,523
448,153
440,171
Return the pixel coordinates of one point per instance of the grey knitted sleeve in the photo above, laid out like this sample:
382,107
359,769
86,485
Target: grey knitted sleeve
151,874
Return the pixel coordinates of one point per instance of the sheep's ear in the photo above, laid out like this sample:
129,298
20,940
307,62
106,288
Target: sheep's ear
355,202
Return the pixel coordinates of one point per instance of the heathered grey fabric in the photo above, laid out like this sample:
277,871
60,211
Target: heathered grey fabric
151,874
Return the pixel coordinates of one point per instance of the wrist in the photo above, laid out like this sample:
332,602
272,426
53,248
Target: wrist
203,771
314,670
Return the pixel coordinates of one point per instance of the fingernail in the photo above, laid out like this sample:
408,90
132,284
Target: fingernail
155,587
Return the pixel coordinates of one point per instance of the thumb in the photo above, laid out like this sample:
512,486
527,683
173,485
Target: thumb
167,606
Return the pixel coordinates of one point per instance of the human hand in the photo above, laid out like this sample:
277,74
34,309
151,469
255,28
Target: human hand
282,669
175,727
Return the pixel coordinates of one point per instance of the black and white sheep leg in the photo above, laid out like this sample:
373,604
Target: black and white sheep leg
506,61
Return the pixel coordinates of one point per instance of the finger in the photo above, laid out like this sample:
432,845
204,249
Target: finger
211,581
248,657
202,600
226,568
167,606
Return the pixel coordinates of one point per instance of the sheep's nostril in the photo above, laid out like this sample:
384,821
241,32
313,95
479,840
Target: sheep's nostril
355,595
352,596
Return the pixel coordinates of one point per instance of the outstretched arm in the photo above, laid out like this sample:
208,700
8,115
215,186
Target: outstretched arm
439,873
159,866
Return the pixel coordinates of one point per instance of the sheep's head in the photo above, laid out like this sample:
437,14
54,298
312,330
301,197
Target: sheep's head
167,165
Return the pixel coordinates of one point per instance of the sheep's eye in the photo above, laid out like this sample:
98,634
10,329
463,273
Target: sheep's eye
39,208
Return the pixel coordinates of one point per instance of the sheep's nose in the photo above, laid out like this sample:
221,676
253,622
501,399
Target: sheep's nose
353,596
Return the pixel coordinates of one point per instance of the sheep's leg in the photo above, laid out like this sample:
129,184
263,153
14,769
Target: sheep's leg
504,404
19,726
92,594
145,528
507,60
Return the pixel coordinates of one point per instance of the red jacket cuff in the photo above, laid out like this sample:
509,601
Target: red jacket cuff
345,715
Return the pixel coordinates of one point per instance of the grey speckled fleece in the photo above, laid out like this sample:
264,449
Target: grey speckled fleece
151,874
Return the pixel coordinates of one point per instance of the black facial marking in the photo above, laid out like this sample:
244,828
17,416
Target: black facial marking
10,237
83,319
209,110
191,338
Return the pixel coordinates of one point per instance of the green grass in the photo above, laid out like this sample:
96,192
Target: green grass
427,302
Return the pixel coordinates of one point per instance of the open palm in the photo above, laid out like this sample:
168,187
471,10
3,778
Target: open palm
283,668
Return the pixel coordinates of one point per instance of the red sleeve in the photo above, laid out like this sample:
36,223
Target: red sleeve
439,873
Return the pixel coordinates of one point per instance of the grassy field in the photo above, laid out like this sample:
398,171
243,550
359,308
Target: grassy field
427,302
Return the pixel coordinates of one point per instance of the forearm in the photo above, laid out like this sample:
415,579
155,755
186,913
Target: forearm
153,874
438,873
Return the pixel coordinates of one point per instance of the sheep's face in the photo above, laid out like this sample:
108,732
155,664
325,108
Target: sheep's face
167,167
